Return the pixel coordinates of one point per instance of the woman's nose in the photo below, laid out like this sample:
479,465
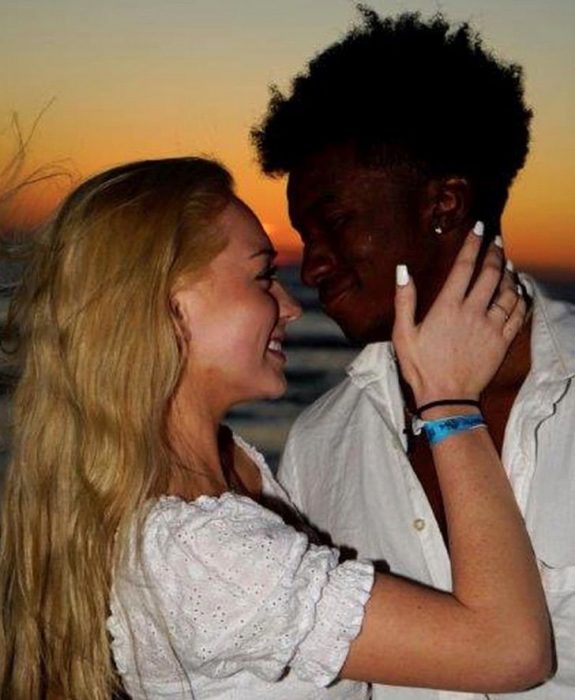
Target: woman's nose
289,307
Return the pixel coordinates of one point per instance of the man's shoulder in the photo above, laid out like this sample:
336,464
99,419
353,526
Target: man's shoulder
554,327
335,410
320,442
330,411
558,299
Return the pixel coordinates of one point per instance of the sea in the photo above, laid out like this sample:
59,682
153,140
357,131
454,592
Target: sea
317,352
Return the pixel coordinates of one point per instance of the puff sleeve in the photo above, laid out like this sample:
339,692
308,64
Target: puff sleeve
223,585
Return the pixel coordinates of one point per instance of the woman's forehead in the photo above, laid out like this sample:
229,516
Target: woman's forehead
243,229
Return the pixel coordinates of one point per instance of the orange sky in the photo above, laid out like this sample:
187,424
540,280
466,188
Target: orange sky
147,79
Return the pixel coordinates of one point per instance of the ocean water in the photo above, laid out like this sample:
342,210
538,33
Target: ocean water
317,355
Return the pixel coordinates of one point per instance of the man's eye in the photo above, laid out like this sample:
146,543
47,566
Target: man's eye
333,223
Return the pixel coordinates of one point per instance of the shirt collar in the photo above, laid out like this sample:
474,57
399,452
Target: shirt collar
553,330
373,363
552,335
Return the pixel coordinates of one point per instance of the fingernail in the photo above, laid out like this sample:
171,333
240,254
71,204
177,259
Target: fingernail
519,290
509,266
479,228
401,275
498,241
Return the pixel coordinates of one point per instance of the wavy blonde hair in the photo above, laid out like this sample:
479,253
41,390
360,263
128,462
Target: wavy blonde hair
100,361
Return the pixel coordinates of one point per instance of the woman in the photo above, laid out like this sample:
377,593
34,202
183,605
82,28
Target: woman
131,518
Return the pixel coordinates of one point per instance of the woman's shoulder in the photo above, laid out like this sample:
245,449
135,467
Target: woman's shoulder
232,528
170,514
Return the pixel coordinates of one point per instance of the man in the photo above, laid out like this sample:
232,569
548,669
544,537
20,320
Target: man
396,140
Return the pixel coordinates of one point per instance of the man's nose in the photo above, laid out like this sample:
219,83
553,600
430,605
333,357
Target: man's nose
318,261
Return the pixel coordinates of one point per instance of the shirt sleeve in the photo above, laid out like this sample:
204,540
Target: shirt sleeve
238,589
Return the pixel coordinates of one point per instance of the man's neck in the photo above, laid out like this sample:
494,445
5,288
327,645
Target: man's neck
509,377
516,365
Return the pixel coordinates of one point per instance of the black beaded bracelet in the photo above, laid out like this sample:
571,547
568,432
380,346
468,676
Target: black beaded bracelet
446,402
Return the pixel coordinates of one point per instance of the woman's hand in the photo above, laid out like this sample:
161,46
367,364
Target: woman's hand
457,348
492,633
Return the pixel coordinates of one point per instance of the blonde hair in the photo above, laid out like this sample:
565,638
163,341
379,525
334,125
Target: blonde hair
100,362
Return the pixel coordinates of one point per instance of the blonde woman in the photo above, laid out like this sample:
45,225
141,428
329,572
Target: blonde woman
140,549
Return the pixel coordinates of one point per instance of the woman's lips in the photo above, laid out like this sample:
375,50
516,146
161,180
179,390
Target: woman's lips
275,348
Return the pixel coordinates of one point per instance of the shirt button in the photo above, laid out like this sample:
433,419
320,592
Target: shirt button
419,523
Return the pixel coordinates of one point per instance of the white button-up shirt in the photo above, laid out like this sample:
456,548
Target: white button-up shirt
346,468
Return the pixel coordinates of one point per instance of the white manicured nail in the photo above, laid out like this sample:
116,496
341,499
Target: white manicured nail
401,275
498,241
519,289
509,266
479,228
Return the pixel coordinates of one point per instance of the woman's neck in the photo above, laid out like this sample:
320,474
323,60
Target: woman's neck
193,433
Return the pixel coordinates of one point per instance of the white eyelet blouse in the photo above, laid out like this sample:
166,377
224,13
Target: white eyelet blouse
226,601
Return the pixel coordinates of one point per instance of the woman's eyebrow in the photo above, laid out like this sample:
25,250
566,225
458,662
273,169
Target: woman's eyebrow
270,252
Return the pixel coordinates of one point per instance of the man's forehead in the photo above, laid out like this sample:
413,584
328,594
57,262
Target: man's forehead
322,174
329,177
309,190
326,162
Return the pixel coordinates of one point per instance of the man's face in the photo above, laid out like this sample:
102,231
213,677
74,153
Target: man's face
356,224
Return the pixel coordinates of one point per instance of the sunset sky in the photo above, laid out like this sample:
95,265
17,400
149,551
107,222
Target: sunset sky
130,79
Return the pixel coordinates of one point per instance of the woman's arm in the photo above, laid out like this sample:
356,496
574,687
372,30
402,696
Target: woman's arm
491,633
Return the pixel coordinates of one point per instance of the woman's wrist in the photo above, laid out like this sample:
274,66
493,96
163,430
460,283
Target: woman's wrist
427,401
438,430
438,412
426,395
447,416
446,406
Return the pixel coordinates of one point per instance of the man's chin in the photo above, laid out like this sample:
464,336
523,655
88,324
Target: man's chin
359,333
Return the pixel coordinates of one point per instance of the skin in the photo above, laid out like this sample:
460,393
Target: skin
416,636
356,224
225,321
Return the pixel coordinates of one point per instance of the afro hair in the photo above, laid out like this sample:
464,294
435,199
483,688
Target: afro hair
410,92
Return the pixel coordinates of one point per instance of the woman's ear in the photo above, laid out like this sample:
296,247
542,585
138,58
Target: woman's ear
451,201
179,319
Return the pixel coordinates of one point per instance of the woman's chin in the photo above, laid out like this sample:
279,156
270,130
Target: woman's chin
273,390
277,391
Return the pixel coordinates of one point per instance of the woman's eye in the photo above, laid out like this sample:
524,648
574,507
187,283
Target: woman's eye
269,274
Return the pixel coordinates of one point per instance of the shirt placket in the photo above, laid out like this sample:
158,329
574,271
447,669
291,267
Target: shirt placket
386,397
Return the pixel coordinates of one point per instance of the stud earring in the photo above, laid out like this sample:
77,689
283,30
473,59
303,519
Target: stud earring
438,230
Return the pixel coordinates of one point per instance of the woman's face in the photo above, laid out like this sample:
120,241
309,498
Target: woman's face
232,320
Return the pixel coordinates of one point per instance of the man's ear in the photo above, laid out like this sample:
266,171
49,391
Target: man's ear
450,203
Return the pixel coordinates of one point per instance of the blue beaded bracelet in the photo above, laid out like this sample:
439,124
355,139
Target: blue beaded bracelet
438,430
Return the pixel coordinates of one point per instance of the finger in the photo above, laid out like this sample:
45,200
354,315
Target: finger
508,297
509,279
405,302
516,320
458,280
503,304
489,276
507,284
510,270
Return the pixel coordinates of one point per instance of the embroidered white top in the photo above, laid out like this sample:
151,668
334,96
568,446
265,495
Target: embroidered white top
227,601
346,468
